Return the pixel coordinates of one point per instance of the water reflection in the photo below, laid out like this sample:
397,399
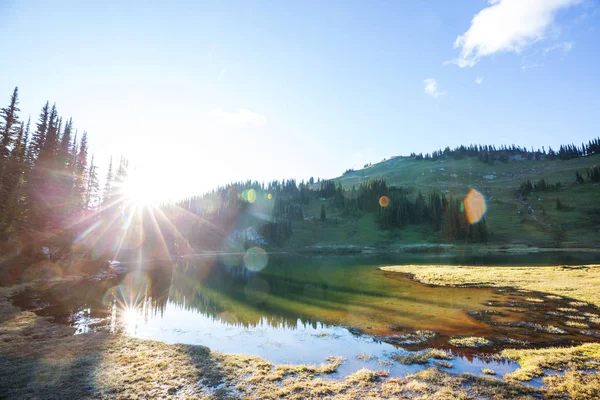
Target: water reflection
296,309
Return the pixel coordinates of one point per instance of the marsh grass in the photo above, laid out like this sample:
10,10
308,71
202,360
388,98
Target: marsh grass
469,341
534,362
575,324
412,358
443,364
580,364
364,357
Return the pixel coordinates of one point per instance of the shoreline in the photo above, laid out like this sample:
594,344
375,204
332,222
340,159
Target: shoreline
447,249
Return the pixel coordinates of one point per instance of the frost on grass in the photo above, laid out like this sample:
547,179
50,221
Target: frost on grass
469,341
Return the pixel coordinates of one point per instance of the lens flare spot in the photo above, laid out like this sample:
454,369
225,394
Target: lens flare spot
251,196
256,259
384,201
269,196
475,207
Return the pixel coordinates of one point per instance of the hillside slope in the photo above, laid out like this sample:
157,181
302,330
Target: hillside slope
531,220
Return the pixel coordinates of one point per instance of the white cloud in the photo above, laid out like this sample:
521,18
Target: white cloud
564,47
431,88
241,117
479,80
506,26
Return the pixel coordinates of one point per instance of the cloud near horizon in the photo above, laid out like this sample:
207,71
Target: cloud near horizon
241,117
431,88
507,26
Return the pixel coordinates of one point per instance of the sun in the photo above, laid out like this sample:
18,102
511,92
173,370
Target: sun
139,190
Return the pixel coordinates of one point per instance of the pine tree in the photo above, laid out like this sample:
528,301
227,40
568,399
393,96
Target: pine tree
323,214
9,129
16,172
43,190
80,174
39,136
92,191
107,193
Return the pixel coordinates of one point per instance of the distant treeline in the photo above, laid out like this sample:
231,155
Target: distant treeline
490,153
268,208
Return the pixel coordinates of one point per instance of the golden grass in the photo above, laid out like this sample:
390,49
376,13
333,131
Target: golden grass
469,341
533,363
580,282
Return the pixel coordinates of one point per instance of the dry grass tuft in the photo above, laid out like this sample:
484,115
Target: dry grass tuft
469,341
573,385
365,357
534,362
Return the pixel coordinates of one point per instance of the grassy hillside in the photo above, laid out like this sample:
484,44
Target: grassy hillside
533,222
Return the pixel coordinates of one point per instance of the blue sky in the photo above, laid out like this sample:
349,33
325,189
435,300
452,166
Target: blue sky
220,90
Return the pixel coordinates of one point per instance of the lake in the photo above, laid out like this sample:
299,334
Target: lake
301,309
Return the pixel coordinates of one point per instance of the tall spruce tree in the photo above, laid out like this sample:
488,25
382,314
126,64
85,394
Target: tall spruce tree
9,129
80,173
92,191
107,193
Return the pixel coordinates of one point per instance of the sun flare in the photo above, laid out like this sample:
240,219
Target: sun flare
140,191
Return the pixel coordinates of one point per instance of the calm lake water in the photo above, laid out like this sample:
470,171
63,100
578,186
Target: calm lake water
303,309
